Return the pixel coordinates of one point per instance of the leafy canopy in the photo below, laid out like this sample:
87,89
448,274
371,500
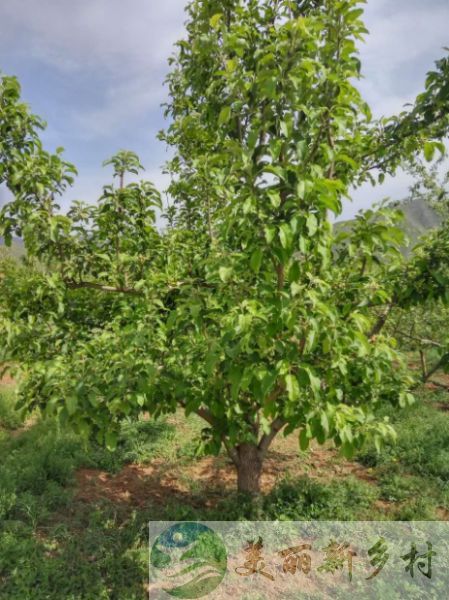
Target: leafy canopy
250,308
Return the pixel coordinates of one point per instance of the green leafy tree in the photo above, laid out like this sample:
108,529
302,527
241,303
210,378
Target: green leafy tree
250,309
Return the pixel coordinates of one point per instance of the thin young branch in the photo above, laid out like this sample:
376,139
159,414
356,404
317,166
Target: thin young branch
432,372
232,452
423,341
280,277
363,266
383,145
438,366
76,285
102,288
381,321
422,357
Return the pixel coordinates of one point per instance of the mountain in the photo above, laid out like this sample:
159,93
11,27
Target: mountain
419,217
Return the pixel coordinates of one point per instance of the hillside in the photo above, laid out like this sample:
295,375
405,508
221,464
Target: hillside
419,217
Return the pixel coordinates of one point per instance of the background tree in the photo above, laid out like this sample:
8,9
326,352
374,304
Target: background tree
250,310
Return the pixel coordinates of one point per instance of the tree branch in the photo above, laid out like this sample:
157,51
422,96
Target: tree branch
232,452
102,288
206,415
438,365
423,341
280,272
267,438
422,357
381,321
110,289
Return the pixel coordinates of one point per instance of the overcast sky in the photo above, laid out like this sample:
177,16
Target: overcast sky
94,69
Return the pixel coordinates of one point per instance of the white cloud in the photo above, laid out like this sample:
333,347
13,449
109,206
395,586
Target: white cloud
124,102
405,34
126,45
119,47
405,39
107,34
394,188
122,48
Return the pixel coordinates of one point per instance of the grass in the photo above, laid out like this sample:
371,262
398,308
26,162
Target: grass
51,546
9,416
54,545
414,472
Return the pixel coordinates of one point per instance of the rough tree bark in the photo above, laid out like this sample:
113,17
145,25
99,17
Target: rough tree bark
248,458
249,468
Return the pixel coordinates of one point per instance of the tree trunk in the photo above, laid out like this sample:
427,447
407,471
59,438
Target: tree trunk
249,469
423,365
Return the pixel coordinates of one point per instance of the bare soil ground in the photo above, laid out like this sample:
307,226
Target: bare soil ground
214,477
203,482
135,484
6,380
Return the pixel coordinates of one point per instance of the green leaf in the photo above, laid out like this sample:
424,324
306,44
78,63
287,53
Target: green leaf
225,115
269,87
285,235
212,359
353,15
325,423
312,224
216,20
285,129
225,274
235,377
304,440
406,399
231,65
267,383
71,403
256,260
111,439
348,450
429,151
275,198
315,382
292,387
301,149
270,233
294,272
377,443
296,289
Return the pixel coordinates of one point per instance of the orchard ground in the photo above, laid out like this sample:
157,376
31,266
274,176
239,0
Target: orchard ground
74,516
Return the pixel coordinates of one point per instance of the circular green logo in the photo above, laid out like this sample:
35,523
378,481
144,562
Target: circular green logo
190,559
